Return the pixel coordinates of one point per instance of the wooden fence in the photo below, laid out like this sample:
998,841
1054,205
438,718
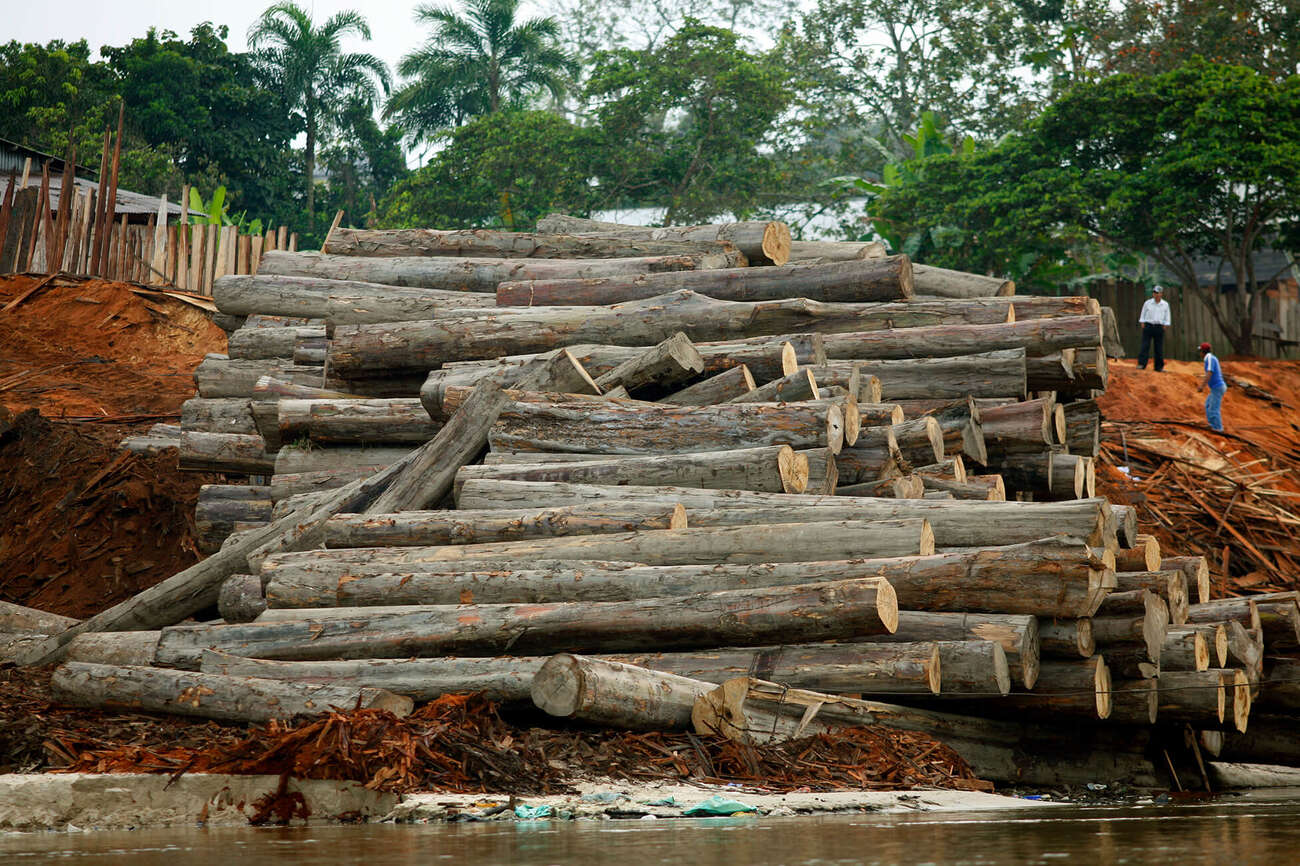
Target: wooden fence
1277,329
157,252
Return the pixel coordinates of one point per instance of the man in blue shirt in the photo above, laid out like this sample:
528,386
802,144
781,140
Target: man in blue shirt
1213,381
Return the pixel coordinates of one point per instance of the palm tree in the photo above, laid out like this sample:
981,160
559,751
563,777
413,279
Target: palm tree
475,64
312,71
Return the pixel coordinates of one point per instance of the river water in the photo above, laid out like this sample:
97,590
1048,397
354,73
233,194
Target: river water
1220,832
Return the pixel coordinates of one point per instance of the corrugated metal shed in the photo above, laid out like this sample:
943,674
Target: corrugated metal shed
14,155
132,204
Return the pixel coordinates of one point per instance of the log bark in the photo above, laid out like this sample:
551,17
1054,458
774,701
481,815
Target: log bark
986,488
672,361
210,696
290,485
973,667
719,388
1221,610
224,377
241,598
1279,617
1078,687
1037,337
1083,427
341,301
489,244
824,611
1170,585
1145,633
221,506
314,459
946,283
270,342
859,281
762,242
1051,372
232,453
953,468
823,474
616,429
17,618
1090,369
473,274
1211,698
776,468
613,694
1144,556
958,524
271,390
556,372
359,351
897,487
1027,421
501,679
825,252
1197,570
348,422
1066,638
432,470
799,385
1018,635
429,528
228,415
988,374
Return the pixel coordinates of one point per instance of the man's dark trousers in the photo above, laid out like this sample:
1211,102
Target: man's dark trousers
1152,334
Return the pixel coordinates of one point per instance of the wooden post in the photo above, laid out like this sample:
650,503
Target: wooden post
158,261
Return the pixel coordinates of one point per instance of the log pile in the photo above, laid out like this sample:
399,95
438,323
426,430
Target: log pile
694,478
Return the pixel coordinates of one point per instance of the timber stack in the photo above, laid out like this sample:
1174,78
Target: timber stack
689,477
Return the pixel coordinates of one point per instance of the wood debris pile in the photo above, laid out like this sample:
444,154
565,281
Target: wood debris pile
734,485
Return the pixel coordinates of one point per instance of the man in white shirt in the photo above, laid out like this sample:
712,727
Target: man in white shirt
1154,321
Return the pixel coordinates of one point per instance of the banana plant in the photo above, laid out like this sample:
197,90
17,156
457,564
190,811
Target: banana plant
216,213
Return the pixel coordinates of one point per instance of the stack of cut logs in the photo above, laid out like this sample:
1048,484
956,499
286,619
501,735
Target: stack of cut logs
734,483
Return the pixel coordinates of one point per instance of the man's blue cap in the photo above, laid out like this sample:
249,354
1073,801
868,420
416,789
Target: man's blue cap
1157,288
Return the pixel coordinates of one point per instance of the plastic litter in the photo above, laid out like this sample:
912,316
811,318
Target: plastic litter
532,813
717,805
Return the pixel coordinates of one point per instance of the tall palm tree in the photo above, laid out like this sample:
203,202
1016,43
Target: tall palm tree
476,63
312,70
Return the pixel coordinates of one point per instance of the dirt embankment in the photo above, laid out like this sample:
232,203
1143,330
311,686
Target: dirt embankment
84,525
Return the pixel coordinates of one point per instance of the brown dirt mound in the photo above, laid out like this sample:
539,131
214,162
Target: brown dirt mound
84,347
85,525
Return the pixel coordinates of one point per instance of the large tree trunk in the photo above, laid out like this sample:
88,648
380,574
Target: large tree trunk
362,350
430,528
672,361
290,460
336,422
617,429
473,275
956,523
1018,635
762,242
945,283
613,694
826,252
271,342
826,611
1066,638
776,468
220,507
885,279
339,302
719,388
233,453
1036,336
224,415
489,244
210,696
991,374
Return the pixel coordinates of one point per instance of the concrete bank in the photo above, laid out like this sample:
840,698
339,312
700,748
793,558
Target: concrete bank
125,801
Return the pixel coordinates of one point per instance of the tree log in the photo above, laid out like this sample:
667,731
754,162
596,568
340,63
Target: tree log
1078,687
1185,649
949,468
241,598
359,351
761,242
616,429
1197,570
1145,633
429,528
957,524
719,388
289,485
210,696
220,507
776,468
1066,638
825,252
973,667
228,415
986,488
1144,556
270,342
1221,610
1083,427
1018,635
314,459
17,618
232,453
823,474
1280,687
1037,337
945,283
506,679
1210,698
335,422
799,385
674,360
557,372
825,611
613,694
339,301
1170,585
474,274
486,243
988,374
897,487
859,281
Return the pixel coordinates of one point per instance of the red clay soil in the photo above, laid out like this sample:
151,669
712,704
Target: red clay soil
95,347
83,524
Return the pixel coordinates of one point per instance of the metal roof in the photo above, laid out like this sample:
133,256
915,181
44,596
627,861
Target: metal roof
128,202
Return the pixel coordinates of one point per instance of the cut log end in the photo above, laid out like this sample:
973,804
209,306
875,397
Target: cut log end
834,429
1221,645
557,688
852,421
793,469
887,605
678,520
1240,685
927,539
789,359
776,242
934,670
1102,680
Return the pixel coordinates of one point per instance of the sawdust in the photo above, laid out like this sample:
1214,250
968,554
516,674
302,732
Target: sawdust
96,347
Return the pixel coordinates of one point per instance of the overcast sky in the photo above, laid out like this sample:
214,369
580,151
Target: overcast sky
116,22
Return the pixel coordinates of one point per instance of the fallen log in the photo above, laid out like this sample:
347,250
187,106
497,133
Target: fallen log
776,468
1144,556
339,301
1222,610
656,429
823,474
241,598
870,458
988,374
957,524
1186,649
219,508
857,281
1083,427
953,468
1066,638
489,244
825,611
291,459
210,696
225,377
799,385
1169,585
762,242
1207,698
825,252
897,487
17,618
1037,337
946,283
335,422
1079,687
1018,635
987,488
290,485
673,360
1143,634
270,342
232,453
973,667
221,415
473,274
430,528
506,679
556,372
1197,570
719,388
613,694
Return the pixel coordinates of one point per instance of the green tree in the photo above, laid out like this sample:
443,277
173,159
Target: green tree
506,169
313,73
363,165
476,63
47,91
686,124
